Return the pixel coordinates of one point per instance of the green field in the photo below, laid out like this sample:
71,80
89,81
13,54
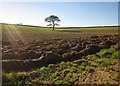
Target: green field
28,33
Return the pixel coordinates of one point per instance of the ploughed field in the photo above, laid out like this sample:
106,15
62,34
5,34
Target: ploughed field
93,60
36,56
30,55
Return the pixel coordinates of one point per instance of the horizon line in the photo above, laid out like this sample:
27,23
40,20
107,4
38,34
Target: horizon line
65,26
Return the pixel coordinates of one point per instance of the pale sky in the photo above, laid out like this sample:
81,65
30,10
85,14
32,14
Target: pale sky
71,14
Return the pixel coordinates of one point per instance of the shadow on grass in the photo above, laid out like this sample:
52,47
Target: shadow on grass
67,30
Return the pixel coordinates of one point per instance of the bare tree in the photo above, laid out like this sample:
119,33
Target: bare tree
53,20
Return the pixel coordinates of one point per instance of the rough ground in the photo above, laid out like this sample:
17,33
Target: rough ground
59,57
101,68
37,53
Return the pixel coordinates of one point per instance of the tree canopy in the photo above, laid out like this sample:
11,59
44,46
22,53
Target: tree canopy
53,20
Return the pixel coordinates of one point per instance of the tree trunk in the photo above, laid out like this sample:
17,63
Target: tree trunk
53,27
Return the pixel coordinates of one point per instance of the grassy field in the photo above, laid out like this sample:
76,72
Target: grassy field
28,33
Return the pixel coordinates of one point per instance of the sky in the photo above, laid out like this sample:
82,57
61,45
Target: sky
71,14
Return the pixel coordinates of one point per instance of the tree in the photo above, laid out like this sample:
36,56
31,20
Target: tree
53,20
